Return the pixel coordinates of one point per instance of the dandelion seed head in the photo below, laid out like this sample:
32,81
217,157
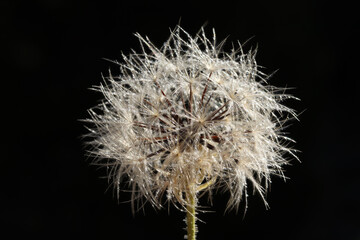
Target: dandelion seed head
188,117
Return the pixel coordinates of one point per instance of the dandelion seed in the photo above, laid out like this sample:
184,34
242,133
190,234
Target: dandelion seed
190,118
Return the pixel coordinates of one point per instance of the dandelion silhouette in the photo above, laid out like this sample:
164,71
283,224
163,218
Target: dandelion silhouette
190,118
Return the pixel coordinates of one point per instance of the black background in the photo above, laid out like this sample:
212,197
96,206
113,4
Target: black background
53,53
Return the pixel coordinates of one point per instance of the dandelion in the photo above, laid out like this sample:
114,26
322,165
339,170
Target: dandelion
189,118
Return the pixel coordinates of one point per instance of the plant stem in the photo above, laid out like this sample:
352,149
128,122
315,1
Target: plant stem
191,216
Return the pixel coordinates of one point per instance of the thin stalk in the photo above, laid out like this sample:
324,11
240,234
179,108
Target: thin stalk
191,216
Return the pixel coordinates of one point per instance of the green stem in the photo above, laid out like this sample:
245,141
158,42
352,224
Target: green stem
191,216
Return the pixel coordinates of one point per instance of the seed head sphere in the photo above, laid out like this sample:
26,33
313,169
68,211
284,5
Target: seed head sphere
189,118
